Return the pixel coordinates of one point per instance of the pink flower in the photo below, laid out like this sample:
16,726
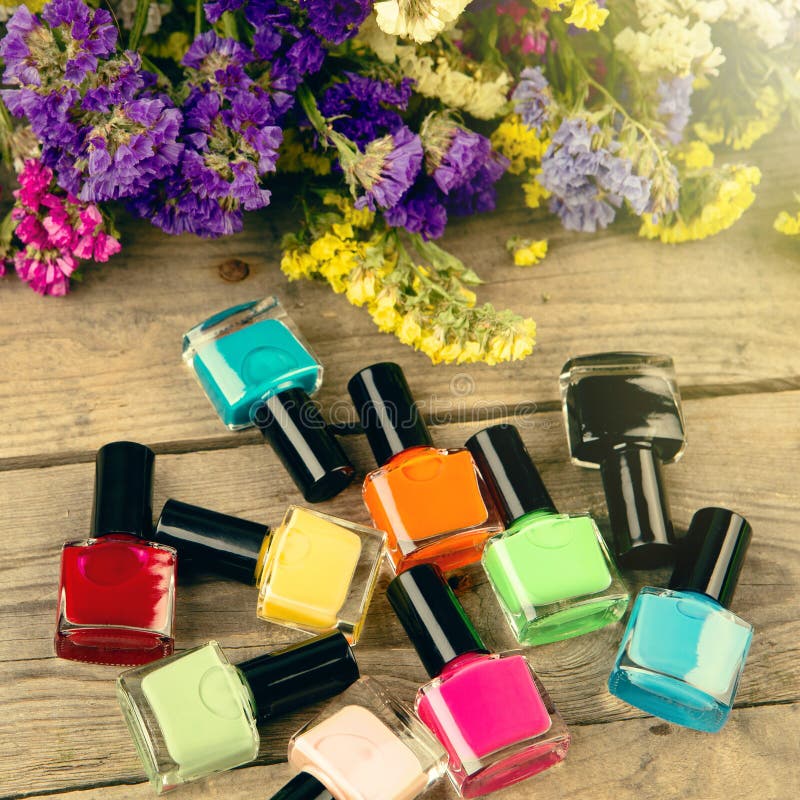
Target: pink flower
47,273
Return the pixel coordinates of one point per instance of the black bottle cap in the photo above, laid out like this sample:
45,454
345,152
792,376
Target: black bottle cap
292,423
300,675
638,510
509,473
123,490
303,787
711,555
434,620
223,544
387,411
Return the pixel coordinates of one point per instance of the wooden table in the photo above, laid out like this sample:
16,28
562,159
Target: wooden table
104,364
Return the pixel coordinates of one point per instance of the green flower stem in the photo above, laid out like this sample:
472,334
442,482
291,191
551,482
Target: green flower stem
309,105
199,17
139,23
6,129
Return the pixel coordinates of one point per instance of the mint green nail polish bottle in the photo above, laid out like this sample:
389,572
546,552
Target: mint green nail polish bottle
195,713
551,572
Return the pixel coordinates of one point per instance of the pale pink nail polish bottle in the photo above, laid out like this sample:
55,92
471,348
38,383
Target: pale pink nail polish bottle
490,711
365,745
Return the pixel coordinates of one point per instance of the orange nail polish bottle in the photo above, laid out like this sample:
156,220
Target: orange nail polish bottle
432,503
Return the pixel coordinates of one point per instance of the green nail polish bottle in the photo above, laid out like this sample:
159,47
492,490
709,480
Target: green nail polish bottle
551,572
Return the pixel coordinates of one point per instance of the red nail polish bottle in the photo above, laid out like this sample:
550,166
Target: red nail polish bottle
116,597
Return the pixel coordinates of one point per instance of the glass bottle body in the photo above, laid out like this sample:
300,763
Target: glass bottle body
247,353
116,600
434,507
553,577
367,745
496,721
614,399
317,573
190,716
681,658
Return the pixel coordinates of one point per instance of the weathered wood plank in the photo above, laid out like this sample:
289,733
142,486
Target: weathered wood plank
106,361
68,705
641,759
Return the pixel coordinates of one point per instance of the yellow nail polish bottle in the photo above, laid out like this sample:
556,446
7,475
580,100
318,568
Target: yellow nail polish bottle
314,572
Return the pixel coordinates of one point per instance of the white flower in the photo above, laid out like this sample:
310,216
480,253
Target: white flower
382,44
421,20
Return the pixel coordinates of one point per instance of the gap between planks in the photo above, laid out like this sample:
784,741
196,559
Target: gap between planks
488,414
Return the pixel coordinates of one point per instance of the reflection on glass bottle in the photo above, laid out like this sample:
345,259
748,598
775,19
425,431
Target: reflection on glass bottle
489,711
432,503
117,590
551,572
314,572
195,713
683,652
623,415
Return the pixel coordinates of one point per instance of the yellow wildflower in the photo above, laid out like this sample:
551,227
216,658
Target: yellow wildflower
361,287
588,15
432,344
326,247
528,252
710,135
450,352
344,230
297,264
386,318
409,331
470,352
518,143
468,295
787,224
535,193
696,155
734,196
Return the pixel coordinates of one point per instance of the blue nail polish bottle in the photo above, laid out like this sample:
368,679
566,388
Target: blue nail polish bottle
248,353
683,652
256,369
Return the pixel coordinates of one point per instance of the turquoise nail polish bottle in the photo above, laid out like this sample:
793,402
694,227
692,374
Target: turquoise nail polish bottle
683,652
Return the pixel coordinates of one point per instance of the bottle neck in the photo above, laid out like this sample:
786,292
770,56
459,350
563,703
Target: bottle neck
637,505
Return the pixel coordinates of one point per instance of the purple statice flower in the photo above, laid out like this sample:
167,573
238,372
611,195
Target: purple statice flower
216,9
531,98
210,53
478,194
91,32
384,169
588,182
675,105
364,109
306,54
336,20
420,210
119,81
21,64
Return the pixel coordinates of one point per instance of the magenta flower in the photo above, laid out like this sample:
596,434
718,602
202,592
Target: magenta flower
57,231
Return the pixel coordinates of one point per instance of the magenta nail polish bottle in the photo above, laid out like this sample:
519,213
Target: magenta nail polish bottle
489,711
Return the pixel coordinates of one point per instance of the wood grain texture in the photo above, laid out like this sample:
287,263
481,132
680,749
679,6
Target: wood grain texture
755,757
105,363
69,732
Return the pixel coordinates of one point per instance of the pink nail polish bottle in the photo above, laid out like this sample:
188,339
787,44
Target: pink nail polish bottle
489,711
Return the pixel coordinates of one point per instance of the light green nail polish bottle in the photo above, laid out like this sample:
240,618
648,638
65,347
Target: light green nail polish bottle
195,713
551,572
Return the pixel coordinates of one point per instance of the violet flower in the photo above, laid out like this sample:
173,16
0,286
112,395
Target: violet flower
675,106
531,98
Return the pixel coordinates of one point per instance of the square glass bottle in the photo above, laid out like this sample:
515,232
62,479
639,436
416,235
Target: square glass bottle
116,594
623,416
489,711
366,745
683,652
246,353
195,713
432,503
551,572
314,572
256,369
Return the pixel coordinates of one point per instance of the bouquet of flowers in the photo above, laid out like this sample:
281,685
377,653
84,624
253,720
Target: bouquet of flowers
387,118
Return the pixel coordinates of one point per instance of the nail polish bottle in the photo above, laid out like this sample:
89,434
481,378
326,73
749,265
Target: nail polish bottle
116,595
623,415
195,713
432,503
314,572
489,711
365,745
256,369
683,652
551,572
